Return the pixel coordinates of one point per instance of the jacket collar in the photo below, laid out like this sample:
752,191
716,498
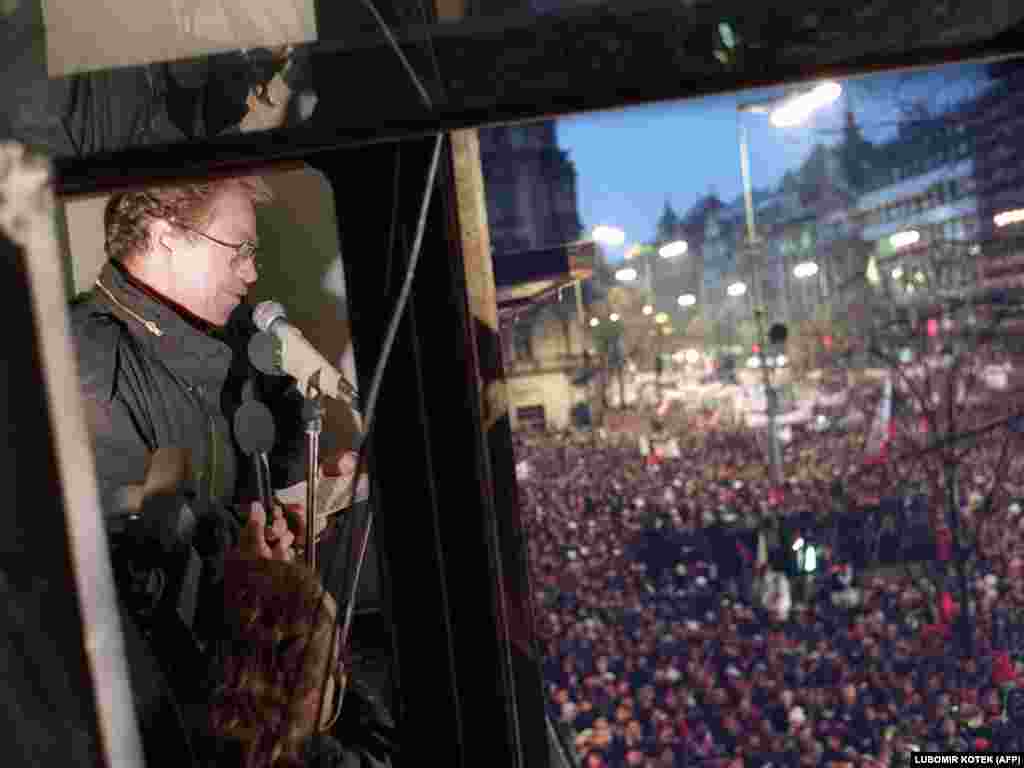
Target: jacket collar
190,346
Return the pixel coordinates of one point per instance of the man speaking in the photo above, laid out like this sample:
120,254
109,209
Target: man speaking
161,346
161,341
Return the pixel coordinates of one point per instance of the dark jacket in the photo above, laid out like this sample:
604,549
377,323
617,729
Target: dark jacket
152,376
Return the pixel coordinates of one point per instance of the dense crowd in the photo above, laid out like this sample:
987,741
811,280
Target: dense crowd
699,662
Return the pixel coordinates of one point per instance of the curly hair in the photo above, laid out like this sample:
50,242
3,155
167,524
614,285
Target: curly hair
275,656
128,214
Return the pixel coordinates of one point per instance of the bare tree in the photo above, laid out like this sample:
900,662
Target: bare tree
954,359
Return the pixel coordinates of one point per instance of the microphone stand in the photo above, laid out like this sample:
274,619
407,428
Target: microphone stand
313,416
263,482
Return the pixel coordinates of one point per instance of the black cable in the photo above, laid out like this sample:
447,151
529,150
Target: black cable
328,572
371,401
424,96
432,51
394,221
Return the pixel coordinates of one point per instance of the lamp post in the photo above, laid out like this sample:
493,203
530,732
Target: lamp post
784,112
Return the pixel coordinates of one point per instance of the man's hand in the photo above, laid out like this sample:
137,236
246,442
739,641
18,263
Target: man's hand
272,541
339,464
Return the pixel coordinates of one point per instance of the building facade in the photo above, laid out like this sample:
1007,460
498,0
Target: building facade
998,125
530,185
919,210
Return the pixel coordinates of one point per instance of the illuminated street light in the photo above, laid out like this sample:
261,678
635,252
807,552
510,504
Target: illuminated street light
798,109
897,273
692,356
805,269
661,317
919,276
687,300
594,322
903,239
614,317
673,249
648,309
609,235
737,289
626,275
1009,217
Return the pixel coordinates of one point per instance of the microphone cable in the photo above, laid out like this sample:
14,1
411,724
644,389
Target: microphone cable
369,412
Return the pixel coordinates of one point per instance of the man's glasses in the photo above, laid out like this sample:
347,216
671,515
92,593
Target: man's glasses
245,251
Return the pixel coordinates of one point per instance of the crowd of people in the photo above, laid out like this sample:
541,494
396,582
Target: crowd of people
698,662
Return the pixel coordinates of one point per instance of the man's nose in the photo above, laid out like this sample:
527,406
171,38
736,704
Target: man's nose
248,272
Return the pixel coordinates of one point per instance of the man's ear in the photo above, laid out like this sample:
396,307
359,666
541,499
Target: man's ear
162,236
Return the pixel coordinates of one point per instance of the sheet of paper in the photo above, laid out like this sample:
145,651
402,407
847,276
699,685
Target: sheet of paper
332,496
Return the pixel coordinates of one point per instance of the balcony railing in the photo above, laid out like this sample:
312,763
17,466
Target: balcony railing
548,364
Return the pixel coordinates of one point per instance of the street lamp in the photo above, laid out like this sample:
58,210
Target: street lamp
607,235
594,322
673,249
797,109
626,275
787,112
614,317
737,289
687,300
805,269
648,309
903,239
1009,217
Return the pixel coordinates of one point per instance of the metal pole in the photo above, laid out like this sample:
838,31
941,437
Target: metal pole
771,398
579,316
748,196
313,414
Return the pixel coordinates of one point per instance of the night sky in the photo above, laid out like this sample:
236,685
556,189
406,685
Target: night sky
630,161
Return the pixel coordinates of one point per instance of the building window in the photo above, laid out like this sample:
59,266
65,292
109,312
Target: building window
522,341
518,136
503,198
531,417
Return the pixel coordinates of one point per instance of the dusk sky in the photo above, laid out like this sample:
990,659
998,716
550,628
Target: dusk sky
630,161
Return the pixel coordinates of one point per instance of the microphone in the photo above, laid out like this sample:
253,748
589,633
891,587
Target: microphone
255,433
281,348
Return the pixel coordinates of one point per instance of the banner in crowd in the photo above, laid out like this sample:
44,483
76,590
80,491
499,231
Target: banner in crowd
876,448
624,421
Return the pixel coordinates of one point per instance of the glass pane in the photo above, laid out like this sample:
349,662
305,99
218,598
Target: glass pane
97,78
682,585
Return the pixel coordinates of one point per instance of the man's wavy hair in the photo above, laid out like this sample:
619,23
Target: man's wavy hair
128,215
273,656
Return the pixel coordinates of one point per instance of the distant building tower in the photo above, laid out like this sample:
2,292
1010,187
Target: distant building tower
530,185
997,123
